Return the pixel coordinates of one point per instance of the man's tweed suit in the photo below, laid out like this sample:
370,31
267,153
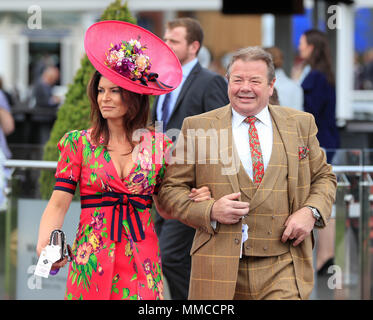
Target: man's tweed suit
294,178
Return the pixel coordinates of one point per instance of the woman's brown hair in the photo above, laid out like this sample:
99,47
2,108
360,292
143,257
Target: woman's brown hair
135,118
320,58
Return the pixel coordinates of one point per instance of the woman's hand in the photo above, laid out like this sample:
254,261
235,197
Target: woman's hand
201,194
196,195
60,263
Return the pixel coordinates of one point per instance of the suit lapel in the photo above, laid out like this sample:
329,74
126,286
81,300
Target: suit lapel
229,160
288,131
187,83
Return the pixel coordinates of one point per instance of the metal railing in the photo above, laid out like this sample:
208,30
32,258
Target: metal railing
354,203
30,164
354,194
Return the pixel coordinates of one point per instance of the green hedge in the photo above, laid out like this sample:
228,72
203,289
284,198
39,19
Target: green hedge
74,114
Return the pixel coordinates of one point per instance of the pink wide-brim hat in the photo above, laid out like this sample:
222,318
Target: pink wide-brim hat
98,40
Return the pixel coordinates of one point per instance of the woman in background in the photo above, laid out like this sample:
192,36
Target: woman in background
319,88
320,100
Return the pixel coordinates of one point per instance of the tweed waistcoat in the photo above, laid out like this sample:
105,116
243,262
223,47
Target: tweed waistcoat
266,222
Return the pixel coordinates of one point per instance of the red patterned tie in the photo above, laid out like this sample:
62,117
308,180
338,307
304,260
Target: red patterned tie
256,151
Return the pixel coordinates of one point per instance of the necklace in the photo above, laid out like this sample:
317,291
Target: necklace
121,154
128,153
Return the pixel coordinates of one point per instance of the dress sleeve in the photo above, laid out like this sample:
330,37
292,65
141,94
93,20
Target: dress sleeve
165,160
69,162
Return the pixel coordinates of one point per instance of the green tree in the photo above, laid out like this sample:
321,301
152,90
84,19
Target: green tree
74,114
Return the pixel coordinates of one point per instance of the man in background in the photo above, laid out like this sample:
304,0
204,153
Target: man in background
46,103
201,90
7,126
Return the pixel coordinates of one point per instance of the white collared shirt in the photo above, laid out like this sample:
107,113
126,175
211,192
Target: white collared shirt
240,131
187,68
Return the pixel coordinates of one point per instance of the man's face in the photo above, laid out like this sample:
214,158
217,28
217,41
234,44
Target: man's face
176,39
248,87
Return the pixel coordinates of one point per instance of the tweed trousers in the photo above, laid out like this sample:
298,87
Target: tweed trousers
266,278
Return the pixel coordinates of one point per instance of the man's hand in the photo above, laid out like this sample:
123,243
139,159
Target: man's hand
298,226
227,210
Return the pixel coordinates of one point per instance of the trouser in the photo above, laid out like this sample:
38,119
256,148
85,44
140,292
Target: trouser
266,278
175,241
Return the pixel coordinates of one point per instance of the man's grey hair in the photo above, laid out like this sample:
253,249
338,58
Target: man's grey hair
253,54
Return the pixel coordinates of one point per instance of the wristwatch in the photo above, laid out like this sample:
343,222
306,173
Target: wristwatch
316,214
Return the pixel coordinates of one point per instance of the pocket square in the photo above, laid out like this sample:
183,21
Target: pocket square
303,152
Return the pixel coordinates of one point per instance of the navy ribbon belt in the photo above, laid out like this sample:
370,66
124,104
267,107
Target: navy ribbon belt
133,203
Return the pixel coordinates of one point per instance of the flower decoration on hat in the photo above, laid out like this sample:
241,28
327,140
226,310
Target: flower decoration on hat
129,59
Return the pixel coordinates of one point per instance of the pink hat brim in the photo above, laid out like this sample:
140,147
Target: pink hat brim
101,35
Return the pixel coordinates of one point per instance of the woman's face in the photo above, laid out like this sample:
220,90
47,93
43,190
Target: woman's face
110,100
305,49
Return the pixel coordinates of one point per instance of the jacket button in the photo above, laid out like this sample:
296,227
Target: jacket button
269,232
236,241
265,248
248,247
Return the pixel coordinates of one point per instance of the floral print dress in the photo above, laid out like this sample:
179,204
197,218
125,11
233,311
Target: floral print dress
116,251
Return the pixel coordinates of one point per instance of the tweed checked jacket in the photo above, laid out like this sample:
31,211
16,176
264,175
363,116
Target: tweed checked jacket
205,156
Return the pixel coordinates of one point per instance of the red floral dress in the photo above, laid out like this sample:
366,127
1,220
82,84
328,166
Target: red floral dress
116,251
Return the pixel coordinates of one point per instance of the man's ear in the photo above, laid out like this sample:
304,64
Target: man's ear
227,76
272,85
195,46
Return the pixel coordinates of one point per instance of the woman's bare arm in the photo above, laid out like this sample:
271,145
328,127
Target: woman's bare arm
53,217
